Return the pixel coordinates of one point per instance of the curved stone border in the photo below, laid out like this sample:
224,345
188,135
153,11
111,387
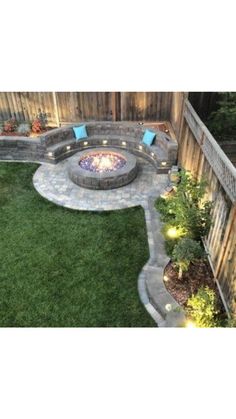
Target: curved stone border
160,304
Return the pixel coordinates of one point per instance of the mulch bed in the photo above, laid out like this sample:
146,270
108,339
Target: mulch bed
199,274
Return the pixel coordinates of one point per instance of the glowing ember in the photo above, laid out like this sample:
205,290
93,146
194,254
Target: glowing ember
102,162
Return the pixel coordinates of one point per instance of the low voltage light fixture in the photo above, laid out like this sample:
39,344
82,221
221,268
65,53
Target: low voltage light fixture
85,142
152,154
68,147
104,142
163,163
123,143
140,147
50,154
168,307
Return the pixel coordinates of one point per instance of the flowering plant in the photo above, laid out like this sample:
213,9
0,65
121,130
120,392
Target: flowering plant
10,125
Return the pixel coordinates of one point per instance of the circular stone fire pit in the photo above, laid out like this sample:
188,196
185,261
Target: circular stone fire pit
102,168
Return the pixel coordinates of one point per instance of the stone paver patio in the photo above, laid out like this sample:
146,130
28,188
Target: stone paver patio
53,183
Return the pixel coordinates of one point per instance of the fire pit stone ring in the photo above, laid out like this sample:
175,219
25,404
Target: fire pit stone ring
102,168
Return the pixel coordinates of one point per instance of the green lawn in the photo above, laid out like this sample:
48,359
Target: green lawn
65,268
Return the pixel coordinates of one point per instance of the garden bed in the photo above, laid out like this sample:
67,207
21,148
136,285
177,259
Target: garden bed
198,275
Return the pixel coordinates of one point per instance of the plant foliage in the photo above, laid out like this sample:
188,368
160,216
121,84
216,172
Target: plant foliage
185,252
186,208
202,308
222,122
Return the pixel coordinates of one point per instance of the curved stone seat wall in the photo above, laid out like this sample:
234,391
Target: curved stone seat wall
60,143
124,129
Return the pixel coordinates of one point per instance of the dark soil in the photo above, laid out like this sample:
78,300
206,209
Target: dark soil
199,274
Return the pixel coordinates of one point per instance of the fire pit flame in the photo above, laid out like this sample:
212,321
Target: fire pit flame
102,162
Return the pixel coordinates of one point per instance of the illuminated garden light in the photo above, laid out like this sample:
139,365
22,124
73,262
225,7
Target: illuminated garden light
140,147
190,324
165,277
104,142
172,232
163,163
50,154
123,143
168,307
68,147
85,142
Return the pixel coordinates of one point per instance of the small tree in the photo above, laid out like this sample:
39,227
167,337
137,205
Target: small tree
185,252
202,308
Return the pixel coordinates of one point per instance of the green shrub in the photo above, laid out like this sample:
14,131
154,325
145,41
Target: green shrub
202,308
186,207
162,207
222,122
185,252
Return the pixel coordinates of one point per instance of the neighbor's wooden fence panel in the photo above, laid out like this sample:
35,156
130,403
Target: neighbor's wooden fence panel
24,106
85,106
199,153
79,106
145,106
176,111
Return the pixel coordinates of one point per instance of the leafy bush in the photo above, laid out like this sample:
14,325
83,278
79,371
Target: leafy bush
40,122
186,208
10,125
185,252
24,128
162,207
202,308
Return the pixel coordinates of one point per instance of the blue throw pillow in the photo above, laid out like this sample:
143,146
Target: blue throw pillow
80,132
148,137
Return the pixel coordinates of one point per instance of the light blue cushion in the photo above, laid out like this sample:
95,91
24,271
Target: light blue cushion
80,132
148,137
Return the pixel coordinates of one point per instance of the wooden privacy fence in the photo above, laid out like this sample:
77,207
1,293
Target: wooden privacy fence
67,107
199,152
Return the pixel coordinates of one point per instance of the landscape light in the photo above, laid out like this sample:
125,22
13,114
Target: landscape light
168,307
50,154
68,147
85,142
190,324
163,163
172,232
140,147
104,142
123,143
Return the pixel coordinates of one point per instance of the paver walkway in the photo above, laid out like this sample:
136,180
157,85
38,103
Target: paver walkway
53,183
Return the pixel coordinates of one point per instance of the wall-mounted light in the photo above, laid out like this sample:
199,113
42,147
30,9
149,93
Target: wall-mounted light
85,142
68,147
163,163
123,143
104,142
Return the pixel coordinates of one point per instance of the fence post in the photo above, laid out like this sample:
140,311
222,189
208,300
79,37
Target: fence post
56,108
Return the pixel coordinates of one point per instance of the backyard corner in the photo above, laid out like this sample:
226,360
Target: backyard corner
123,220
